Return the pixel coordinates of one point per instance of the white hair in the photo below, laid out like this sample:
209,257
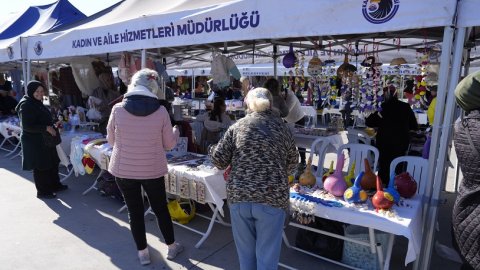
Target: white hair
243,79
145,77
259,99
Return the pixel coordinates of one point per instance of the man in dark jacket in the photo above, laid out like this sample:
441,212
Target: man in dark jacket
393,123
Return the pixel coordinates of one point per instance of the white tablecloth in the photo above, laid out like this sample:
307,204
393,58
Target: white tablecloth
406,222
422,118
67,137
215,190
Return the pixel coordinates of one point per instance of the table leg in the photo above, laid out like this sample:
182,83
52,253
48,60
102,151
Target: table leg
373,241
209,230
94,183
388,256
125,207
380,256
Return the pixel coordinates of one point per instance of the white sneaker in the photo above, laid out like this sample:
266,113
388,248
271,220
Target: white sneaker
144,256
174,250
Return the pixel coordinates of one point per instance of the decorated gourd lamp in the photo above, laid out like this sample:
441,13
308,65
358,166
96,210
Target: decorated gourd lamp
350,178
289,59
335,184
356,194
346,69
307,178
406,185
382,199
368,180
315,65
391,188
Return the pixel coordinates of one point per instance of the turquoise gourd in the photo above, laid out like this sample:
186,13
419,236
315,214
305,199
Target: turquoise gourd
392,190
356,194
335,184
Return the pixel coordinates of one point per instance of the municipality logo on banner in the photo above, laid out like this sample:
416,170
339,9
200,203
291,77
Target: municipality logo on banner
10,52
38,48
379,11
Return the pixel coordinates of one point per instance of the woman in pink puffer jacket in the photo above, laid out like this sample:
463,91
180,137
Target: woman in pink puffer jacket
140,132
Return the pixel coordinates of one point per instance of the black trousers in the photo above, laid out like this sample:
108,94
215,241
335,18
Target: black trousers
46,181
387,155
132,193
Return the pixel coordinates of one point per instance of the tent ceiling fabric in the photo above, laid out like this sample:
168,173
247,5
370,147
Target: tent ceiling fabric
180,25
34,20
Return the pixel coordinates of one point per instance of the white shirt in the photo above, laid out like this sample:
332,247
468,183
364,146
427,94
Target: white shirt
295,112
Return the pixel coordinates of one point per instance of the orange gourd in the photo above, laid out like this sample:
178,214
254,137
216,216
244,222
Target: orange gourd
368,179
307,178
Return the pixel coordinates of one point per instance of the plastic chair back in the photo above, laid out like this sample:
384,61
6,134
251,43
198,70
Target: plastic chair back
319,148
358,136
358,152
417,167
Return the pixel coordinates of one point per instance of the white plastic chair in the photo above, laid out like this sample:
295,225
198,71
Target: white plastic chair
319,148
358,136
417,167
358,152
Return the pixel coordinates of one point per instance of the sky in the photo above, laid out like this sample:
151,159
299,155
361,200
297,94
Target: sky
88,7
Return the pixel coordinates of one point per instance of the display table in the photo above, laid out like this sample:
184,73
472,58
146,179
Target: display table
9,129
404,220
421,117
184,179
67,137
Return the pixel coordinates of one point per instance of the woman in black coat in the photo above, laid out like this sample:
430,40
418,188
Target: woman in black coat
393,125
35,120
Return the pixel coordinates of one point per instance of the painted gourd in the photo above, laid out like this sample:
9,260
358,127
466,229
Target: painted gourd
356,194
327,174
289,59
391,188
406,185
307,178
368,179
381,199
335,184
350,178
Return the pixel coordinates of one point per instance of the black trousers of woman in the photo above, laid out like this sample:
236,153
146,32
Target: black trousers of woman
132,193
46,181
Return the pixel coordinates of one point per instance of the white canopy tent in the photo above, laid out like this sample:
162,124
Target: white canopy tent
135,25
209,24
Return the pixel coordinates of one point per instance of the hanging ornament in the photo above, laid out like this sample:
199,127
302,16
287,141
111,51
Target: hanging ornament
346,69
289,59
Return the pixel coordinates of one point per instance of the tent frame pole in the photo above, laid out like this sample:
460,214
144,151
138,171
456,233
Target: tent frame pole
439,110
144,58
440,172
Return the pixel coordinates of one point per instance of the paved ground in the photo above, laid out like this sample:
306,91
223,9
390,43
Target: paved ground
86,232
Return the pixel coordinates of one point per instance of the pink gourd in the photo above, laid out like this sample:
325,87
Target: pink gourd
335,184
